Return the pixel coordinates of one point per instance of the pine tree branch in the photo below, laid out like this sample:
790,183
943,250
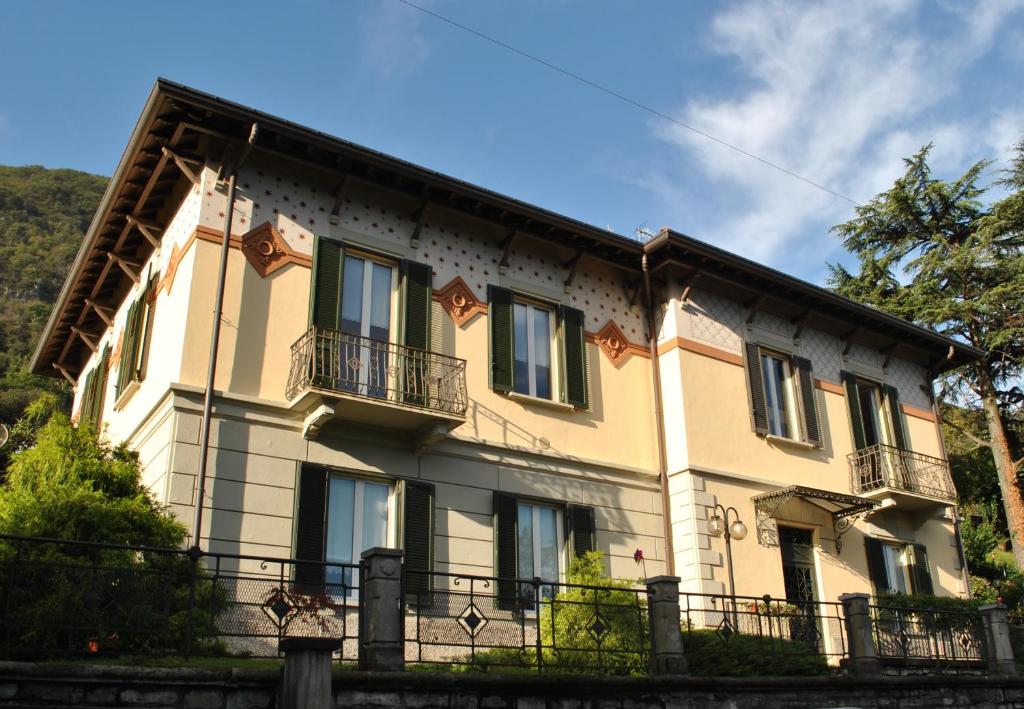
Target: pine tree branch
979,442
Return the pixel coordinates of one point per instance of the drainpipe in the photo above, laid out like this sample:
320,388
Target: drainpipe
652,336
211,368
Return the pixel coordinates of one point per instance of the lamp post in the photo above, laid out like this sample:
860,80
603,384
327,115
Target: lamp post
720,526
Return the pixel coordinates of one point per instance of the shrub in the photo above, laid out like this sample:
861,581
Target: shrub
708,654
75,598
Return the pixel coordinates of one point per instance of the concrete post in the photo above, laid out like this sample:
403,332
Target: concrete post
307,672
860,638
383,622
997,639
667,656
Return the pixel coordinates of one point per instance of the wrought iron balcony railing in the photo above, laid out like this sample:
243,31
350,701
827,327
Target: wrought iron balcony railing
880,466
357,366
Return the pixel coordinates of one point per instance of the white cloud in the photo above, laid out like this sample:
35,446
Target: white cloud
838,93
391,40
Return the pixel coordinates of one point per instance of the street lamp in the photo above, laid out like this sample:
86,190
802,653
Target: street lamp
720,526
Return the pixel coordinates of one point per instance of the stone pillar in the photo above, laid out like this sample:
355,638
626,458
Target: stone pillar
307,672
860,638
997,639
383,622
667,656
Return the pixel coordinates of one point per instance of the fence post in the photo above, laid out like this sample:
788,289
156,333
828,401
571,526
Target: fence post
382,610
997,639
667,656
307,672
860,639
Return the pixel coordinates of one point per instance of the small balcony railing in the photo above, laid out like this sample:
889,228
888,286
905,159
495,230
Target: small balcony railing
881,467
355,366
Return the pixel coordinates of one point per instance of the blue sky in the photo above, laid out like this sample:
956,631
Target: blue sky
838,92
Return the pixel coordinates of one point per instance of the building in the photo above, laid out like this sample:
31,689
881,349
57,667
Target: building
406,359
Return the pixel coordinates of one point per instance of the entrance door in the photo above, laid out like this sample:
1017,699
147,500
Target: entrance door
798,574
366,320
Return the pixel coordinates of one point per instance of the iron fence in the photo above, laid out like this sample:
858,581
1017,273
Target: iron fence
65,599
771,628
483,623
928,636
368,368
881,466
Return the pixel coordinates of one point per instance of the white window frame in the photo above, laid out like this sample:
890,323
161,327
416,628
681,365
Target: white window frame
364,316
784,391
531,340
535,508
896,566
390,533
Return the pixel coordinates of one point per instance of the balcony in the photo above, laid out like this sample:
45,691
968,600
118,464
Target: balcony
335,375
913,481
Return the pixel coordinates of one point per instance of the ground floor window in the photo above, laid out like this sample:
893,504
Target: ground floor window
898,567
358,517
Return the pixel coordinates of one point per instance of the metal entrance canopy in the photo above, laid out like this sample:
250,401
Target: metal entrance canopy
842,507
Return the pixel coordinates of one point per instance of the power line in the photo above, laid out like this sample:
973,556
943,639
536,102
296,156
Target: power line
626,99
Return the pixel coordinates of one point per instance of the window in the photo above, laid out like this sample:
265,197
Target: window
530,541
778,392
366,315
782,395
540,542
897,567
875,415
533,337
339,516
537,350
135,341
357,520
94,389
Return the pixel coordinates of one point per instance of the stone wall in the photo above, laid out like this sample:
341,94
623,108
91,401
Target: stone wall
65,686
28,685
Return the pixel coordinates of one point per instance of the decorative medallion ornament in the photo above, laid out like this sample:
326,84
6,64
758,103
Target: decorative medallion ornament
459,301
265,249
172,268
613,342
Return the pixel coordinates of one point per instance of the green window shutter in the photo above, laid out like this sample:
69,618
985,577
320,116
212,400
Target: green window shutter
101,386
499,313
892,403
812,428
325,290
759,406
126,365
88,394
920,573
506,548
418,535
416,307
853,404
574,348
416,303
876,565
582,533
310,527
146,325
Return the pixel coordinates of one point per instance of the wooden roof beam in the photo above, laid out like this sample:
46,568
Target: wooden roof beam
183,164
150,230
753,305
506,246
106,314
848,338
67,375
419,217
800,321
86,338
132,270
339,197
888,351
572,264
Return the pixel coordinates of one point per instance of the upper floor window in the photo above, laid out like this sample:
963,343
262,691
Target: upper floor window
534,338
875,414
135,341
778,391
537,349
94,390
782,395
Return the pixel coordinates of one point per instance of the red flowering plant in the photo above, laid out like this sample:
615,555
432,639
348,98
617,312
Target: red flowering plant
638,558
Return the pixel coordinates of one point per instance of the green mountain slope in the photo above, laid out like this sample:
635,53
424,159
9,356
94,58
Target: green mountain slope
43,216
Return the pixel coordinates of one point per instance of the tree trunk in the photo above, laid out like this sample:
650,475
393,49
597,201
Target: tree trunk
1005,469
